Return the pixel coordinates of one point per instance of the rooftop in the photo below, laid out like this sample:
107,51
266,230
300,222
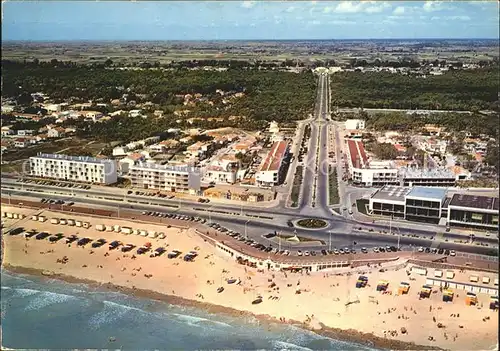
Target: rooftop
159,167
428,193
86,159
357,153
273,159
473,201
392,193
418,173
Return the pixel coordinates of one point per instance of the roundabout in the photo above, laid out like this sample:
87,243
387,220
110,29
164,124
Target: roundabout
311,223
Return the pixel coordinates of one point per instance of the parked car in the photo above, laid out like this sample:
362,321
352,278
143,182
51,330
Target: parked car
42,235
158,252
114,244
98,243
83,241
71,238
55,238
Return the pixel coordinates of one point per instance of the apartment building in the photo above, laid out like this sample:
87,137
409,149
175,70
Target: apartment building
77,168
168,178
270,170
223,170
369,173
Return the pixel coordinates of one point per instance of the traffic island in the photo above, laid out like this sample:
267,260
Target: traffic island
311,223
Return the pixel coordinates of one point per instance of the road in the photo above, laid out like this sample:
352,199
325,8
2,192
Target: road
344,233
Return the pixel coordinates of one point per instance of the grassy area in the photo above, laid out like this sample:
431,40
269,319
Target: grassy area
333,188
361,205
297,181
312,223
16,167
69,146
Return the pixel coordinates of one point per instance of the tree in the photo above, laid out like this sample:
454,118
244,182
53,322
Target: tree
491,157
385,151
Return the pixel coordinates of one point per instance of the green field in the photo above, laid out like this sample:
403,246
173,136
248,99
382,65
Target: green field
297,181
333,189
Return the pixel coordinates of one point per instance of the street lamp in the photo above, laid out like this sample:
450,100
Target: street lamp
209,215
246,237
330,242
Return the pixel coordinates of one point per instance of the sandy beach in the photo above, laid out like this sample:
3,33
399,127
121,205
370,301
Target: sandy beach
326,301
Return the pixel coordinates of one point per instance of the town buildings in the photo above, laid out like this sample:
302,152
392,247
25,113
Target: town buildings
167,178
76,168
435,205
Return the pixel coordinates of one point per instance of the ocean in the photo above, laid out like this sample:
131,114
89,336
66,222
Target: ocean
46,313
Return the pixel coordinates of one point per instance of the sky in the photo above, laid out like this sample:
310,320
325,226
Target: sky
247,20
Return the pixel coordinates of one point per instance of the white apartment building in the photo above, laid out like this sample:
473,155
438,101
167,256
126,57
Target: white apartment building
77,168
351,124
168,178
223,170
268,173
368,173
120,151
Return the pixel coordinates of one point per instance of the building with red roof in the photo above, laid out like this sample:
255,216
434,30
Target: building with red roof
268,173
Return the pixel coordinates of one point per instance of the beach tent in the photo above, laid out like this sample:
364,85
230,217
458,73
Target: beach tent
471,299
494,303
448,295
404,287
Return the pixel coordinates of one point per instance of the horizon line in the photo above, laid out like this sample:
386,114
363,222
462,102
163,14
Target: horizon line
226,40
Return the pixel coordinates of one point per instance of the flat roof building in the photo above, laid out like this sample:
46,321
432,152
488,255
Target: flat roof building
440,177
389,201
169,178
424,204
77,168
